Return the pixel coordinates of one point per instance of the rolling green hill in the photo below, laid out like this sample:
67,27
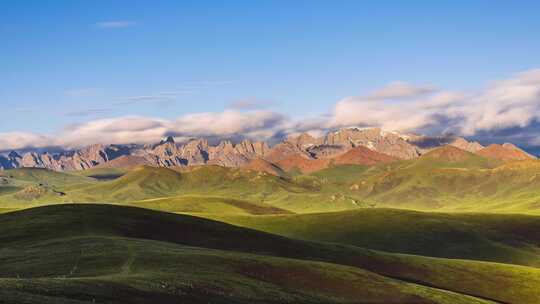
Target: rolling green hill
207,205
139,183
431,184
445,180
151,182
103,174
61,180
503,238
102,253
297,194
29,187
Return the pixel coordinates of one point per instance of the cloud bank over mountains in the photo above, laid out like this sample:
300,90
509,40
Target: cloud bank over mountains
514,102
507,109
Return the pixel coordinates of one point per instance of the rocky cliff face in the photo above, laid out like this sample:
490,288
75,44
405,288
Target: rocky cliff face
376,139
284,150
84,158
463,144
229,155
167,153
304,147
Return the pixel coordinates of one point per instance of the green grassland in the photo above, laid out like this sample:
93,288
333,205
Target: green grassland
103,174
208,205
61,180
503,238
143,184
470,184
427,184
326,237
102,253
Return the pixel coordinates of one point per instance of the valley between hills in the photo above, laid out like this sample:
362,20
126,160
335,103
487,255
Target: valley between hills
354,216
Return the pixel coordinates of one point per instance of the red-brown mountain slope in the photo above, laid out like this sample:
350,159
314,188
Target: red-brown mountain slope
362,156
259,164
504,152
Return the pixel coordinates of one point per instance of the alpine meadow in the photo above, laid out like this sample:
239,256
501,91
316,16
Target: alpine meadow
269,152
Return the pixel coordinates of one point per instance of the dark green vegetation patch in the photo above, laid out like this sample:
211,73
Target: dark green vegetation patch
102,253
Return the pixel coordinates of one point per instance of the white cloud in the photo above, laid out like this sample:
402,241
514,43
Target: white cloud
258,124
514,102
130,129
365,112
136,129
20,140
511,104
113,24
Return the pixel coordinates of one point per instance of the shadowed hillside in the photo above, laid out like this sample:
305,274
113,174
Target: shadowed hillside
503,238
262,165
65,252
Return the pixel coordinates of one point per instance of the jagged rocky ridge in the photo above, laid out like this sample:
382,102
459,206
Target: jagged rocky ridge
168,153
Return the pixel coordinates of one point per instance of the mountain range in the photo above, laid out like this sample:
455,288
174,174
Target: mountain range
355,214
307,153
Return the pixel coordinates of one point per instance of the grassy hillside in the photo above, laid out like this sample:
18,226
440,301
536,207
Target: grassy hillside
150,182
341,174
208,205
103,174
504,238
428,183
139,183
80,253
87,253
44,176
297,194
28,187
443,180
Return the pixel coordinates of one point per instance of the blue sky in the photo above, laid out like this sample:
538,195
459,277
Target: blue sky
67,63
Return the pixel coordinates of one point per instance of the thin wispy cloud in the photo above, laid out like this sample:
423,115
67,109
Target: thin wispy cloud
251,104
146,99
115,24
161,97
90,112
401,89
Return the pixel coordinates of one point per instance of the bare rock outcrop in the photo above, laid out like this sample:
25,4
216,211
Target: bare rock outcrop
376,139
343,146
